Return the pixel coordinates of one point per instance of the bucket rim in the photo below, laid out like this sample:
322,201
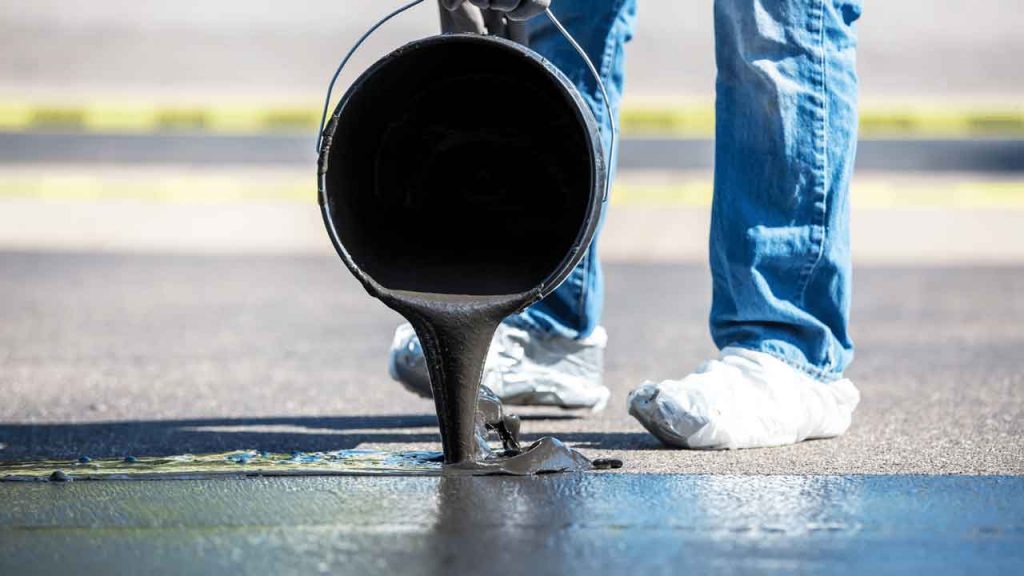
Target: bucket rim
586,120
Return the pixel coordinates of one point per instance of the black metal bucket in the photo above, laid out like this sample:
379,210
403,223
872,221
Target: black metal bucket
462,164
461,178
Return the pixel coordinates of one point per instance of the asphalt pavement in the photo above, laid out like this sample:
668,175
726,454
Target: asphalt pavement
113,354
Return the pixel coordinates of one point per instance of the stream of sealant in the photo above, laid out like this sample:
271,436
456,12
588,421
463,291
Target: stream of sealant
455,332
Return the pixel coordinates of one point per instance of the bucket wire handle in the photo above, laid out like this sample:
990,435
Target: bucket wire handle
344,61
554,21
604,96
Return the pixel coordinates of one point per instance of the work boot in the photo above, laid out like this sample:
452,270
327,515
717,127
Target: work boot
523,367
745,399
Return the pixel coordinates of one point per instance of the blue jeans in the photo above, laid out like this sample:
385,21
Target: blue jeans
785,143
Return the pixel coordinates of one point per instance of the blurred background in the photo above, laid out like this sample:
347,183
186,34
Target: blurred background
189,126
196,51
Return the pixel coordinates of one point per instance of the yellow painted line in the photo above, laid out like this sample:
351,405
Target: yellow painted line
183,189
875,122
685,121
696,192
130,118
15,117
695,121
869,193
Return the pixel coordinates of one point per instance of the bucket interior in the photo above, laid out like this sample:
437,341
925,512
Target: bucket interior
460,165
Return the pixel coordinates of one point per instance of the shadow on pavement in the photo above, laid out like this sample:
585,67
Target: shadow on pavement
273,434
603,440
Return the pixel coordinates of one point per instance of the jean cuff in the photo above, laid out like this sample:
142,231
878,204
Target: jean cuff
542,327
790,356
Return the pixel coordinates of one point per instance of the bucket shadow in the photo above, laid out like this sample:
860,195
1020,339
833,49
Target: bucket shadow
170,437
273,434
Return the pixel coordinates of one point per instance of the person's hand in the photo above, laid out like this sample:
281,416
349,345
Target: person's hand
505,18
461,17
514,10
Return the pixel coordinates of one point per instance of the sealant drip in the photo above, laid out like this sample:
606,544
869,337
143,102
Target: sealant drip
455,332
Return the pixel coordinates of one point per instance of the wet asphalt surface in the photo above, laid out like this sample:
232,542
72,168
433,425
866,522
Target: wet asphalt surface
159,355
558,525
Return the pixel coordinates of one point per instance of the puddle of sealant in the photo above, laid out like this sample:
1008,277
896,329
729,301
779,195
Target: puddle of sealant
236,463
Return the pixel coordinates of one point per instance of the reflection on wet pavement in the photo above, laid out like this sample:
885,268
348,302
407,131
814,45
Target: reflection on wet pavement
560,524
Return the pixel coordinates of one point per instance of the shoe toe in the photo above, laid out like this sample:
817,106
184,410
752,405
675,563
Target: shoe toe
675,419
406,363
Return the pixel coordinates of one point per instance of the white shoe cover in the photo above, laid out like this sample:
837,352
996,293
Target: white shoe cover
745,399
522,367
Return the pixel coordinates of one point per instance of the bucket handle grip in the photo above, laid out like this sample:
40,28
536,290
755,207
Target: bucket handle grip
554,21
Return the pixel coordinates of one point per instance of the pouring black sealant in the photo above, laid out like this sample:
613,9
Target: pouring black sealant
461,179
455,333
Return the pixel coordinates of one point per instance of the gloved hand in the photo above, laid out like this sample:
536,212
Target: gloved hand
504,18
514,10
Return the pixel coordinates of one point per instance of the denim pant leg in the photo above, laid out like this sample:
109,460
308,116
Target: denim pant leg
785,146
602,28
